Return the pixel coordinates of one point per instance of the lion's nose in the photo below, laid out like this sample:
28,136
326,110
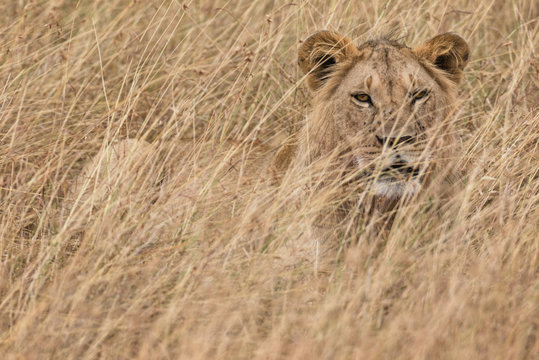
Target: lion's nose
395,141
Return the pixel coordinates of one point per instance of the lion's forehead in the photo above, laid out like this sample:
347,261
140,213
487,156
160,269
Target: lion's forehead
388,72
387,69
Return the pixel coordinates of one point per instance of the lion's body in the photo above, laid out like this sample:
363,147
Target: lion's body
380,115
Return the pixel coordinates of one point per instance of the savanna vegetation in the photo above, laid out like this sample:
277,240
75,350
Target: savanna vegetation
179,254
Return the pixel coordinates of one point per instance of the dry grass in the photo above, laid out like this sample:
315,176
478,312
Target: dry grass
154,271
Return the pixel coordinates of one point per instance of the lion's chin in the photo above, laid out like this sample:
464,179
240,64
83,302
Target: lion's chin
393,189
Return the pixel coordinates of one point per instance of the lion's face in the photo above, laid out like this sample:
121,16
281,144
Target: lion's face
384,103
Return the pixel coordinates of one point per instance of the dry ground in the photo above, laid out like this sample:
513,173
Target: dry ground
155,271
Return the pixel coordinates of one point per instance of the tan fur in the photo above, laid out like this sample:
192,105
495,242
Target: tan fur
340,140
390,73
105,174
339,128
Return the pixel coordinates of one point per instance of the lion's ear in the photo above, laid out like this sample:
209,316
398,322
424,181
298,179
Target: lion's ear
448,52
319,54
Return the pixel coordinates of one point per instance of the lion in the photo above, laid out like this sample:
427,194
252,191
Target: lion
381,112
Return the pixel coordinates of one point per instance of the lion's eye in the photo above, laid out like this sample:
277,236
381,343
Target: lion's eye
419,94
364,98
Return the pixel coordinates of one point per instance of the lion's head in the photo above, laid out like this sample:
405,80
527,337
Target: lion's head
386,105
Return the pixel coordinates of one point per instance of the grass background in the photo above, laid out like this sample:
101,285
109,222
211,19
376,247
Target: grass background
154,270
